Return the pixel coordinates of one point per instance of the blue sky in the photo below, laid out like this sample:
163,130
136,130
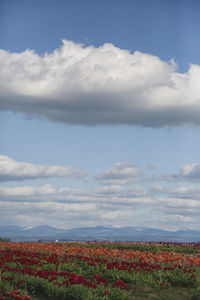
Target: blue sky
99,113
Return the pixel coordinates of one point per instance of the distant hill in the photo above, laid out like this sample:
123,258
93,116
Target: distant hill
16,233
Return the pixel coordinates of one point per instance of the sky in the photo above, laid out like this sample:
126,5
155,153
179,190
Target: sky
100,113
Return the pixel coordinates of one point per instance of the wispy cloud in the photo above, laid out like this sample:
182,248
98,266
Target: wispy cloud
120,174
70,207
189,173
93,86
121,198
186,192
66,207
11,170
47,192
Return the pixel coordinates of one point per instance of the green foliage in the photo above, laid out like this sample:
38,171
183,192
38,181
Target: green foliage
49,276
70,267
4,240
144,246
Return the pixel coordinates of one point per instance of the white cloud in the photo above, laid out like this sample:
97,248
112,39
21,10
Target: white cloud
66,207
186,173
133,196
14,170
120,174
183,195
151,166
182,204
116,205
105,85
158,189
185,192
26,193
191,171
109,189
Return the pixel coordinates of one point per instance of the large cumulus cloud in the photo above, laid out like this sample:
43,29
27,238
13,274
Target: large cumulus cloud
94,86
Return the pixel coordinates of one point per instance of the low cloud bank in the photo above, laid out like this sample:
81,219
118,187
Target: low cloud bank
116,205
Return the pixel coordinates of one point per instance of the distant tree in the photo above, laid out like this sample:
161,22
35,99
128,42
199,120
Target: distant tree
4,239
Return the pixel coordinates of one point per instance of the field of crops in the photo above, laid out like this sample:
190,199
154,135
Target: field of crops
99,270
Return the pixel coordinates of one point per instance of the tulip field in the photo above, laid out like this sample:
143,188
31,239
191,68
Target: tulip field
99,270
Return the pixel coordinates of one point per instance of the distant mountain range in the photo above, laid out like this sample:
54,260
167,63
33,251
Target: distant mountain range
48,233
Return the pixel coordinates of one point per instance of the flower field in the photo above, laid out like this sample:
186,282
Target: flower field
99,270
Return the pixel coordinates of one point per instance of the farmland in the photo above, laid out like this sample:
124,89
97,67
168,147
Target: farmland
99,270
